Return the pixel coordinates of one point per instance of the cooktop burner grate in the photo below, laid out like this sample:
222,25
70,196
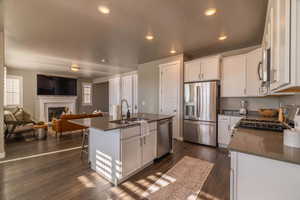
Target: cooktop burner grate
262,125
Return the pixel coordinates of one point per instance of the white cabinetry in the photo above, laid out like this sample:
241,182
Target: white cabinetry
282,30
225,126
131,155
149,147
202,69
253,72
241,74
233,76
137,151
259,178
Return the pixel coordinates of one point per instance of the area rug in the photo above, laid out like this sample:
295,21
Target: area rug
182,182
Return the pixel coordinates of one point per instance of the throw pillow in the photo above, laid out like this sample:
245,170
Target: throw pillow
8,116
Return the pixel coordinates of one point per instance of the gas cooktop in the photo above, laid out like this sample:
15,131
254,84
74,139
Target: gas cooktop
270,125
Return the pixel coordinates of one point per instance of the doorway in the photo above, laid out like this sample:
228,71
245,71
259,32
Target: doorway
169,93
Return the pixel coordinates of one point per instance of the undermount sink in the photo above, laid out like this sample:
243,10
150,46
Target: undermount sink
128,121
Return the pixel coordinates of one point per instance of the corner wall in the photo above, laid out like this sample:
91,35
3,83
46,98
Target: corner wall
148,86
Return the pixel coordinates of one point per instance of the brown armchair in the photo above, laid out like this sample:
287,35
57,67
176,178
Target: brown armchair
63,124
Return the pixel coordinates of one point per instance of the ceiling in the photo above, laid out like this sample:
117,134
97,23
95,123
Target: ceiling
50,35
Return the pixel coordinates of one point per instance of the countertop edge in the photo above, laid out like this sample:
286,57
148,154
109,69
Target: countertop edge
263,156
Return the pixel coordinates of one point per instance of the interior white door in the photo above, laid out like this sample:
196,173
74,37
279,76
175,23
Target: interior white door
233,82
127,91
169,93
253,72
114,92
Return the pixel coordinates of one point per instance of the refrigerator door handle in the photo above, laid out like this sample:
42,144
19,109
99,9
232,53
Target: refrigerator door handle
198,102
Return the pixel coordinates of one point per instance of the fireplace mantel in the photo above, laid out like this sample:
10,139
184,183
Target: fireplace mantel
45,102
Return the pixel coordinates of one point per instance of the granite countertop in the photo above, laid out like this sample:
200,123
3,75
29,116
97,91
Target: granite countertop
104,123
267,144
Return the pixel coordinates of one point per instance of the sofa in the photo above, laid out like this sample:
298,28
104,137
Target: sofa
63,124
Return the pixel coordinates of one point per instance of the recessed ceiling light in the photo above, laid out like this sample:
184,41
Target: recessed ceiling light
103,60
172,51
223,37
149,37
75,68
210,11
104,10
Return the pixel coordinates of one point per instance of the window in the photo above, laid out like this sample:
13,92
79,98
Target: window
87,94
13,90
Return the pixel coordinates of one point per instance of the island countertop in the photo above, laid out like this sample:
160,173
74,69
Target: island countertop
104,123
267,144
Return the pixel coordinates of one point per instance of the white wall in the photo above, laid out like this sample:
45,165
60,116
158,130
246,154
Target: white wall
2,154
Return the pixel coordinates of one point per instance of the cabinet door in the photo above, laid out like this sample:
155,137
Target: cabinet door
233,76
280,46
127,91
149,147
253,72
114,93
192,71
210,68
131,155
223,130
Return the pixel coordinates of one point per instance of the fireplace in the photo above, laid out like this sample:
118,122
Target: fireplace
57,103
55,112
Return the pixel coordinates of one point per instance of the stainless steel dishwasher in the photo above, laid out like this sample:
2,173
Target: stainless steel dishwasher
164,137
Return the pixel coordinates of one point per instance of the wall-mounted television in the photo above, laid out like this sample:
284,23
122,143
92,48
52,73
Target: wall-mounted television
52,85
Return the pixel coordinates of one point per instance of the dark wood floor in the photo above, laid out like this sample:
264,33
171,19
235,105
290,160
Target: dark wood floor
28,145
66,176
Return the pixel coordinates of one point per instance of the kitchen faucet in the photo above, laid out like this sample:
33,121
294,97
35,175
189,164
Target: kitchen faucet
123,100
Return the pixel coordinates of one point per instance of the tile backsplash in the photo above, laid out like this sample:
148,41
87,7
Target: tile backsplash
254,103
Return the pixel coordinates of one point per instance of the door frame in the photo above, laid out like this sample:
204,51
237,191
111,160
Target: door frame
161,66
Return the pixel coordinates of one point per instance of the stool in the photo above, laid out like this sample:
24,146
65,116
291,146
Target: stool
84,144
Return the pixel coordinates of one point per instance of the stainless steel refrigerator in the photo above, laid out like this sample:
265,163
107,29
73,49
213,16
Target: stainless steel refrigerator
201,103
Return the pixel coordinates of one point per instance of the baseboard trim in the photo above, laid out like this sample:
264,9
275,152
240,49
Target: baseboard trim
2,155
39,155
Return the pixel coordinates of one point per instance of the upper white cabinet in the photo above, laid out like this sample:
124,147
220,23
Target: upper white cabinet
202,69
282,32
242,74
254,72
233,76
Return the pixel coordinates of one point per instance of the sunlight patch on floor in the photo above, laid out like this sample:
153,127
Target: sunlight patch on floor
86,181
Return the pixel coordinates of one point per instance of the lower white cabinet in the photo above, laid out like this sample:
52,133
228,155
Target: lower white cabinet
225,127
138,150
149,147
131,155
254,177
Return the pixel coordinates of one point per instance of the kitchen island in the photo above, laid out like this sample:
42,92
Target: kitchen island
262,167
118,149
